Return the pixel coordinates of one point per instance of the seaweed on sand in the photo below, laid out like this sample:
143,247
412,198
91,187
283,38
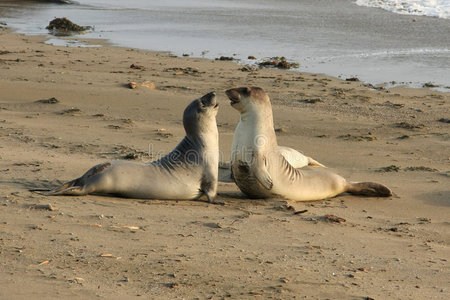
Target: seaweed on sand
65,26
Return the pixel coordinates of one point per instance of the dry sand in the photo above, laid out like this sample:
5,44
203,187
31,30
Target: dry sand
105,247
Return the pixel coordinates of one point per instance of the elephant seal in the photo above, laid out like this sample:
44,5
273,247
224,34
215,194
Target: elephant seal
260,171
188,172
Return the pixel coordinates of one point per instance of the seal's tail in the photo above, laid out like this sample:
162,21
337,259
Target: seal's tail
71,188
370,189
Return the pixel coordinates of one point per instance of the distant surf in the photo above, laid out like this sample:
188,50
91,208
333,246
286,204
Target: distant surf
431,8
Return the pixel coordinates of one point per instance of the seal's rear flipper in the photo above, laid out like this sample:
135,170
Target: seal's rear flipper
370,189
68,188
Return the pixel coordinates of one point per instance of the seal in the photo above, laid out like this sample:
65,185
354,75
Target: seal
260,171
188,172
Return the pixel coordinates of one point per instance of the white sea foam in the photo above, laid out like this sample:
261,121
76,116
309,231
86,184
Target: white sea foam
432,8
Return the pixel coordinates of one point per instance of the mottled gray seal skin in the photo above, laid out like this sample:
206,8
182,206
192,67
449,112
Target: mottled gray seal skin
188,172
261,171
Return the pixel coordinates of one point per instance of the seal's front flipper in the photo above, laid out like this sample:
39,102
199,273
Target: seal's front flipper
259,168
314,163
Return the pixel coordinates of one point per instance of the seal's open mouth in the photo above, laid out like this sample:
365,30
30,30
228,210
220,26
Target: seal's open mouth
234,96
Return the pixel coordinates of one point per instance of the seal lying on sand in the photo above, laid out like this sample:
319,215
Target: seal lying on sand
260,171
188,172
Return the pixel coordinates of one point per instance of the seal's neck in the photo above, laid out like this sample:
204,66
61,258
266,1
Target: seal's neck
260,121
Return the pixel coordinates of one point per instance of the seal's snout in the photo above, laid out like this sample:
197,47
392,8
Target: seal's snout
209,99
233,95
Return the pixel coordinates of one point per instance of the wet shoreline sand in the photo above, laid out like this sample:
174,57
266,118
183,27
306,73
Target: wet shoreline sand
115,248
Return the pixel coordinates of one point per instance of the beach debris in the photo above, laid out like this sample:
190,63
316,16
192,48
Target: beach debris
114,126
128,121
162,132
251,57
403,137
391,168
290,206
421,168
63,26
213,225
394,105
186,54
128,153
184,71
311,100
409,126
355,79
70,111
131,227
443,120
371,86
423,220
248,68
137,67
149,84
430,85
109,255
172,285
358,138
48,207
167,87
44,262
229,58
77,280
278,62
51,100
334,219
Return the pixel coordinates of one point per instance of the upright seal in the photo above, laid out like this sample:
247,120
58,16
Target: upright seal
259,169
188,172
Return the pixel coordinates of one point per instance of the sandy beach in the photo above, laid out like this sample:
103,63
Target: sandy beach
112,248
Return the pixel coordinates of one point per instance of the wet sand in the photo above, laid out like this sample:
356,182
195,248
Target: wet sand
113,248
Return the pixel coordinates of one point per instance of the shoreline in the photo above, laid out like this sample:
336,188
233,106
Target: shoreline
80,41
351,48
387,248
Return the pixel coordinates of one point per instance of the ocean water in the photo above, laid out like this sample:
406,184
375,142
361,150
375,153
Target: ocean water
432,8
343,38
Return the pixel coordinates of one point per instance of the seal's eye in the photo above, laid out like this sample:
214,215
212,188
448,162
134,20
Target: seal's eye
201,108
246,91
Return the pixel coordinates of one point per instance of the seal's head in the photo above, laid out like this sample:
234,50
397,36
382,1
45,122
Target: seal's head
200,116
243,98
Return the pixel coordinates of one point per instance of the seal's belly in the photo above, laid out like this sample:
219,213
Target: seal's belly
149,182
